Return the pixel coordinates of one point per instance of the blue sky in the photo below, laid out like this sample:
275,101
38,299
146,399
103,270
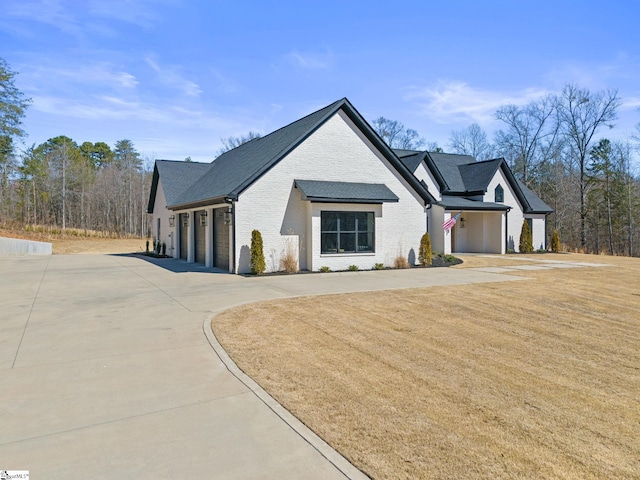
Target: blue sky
176,76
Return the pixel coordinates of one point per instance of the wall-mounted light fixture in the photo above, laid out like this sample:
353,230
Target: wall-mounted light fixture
203,219
463,222
228,217
172,220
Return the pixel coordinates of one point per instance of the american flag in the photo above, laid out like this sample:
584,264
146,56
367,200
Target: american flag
448,224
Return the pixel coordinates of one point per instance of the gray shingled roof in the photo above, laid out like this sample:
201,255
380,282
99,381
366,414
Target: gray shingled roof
236,169
447,165
476,176
410,158
177,177
535,203
232,172
462,203
347,192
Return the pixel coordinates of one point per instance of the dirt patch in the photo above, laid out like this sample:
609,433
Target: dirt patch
536,379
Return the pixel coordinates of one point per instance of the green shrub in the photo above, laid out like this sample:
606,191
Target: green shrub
353,268
555,242
378,266
258,265
526,239
425,255
325,269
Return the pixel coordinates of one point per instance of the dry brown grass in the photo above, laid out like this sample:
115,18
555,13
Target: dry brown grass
532,379
65,244
401,262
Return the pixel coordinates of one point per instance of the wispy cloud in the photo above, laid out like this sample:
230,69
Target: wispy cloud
79,19
170,76
596,75
48,12
312,61
451,102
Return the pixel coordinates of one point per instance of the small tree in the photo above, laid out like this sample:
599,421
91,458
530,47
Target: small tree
424,255
555,242
258,265
526,239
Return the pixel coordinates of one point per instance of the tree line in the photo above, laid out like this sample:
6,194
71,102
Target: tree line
557,147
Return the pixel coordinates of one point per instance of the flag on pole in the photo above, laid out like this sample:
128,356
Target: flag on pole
448,224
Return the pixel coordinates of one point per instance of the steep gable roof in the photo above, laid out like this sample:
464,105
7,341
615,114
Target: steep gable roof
234,171
462,176
476,176
177,177
445,168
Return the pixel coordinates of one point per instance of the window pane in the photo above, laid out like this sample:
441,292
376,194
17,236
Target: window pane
347,222
329,221
365,242
329,243
347,242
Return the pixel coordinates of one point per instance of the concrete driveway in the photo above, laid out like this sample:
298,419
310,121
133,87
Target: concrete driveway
106,372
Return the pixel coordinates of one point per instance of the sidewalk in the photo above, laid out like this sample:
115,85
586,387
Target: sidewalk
106,372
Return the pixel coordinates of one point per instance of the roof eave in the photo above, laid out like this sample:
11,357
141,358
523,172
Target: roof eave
204,202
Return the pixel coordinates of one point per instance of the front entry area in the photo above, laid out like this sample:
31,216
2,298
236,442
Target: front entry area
478,232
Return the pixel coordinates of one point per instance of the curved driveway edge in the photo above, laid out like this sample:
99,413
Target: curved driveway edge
322,447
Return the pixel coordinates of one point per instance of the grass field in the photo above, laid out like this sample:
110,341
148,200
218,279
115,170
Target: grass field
65,244
530,379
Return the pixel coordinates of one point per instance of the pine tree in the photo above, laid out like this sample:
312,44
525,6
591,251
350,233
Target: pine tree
424,255
526,239
258,265
555,242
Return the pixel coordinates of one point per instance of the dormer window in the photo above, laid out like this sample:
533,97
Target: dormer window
499,194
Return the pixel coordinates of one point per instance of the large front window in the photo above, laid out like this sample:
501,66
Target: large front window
347,232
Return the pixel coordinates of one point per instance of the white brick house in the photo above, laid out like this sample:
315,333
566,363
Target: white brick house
328,190
325,187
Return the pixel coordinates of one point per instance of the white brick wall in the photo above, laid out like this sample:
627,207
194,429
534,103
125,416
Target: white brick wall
337,151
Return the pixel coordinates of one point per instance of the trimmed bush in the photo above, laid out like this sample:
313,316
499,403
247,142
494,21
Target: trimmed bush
425,255
526,238
378,266
555,242
258,265
353,268
325,269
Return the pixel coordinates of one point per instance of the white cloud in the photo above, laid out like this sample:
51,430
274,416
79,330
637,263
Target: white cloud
313,61
170,76
452,102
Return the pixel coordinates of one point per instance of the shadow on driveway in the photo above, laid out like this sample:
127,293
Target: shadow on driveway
174,265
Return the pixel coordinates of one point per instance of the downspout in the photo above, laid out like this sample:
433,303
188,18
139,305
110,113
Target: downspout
233,231
427,216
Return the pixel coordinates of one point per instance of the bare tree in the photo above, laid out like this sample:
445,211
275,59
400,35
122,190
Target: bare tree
471,141
230,143
530,136
396,135
581,114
